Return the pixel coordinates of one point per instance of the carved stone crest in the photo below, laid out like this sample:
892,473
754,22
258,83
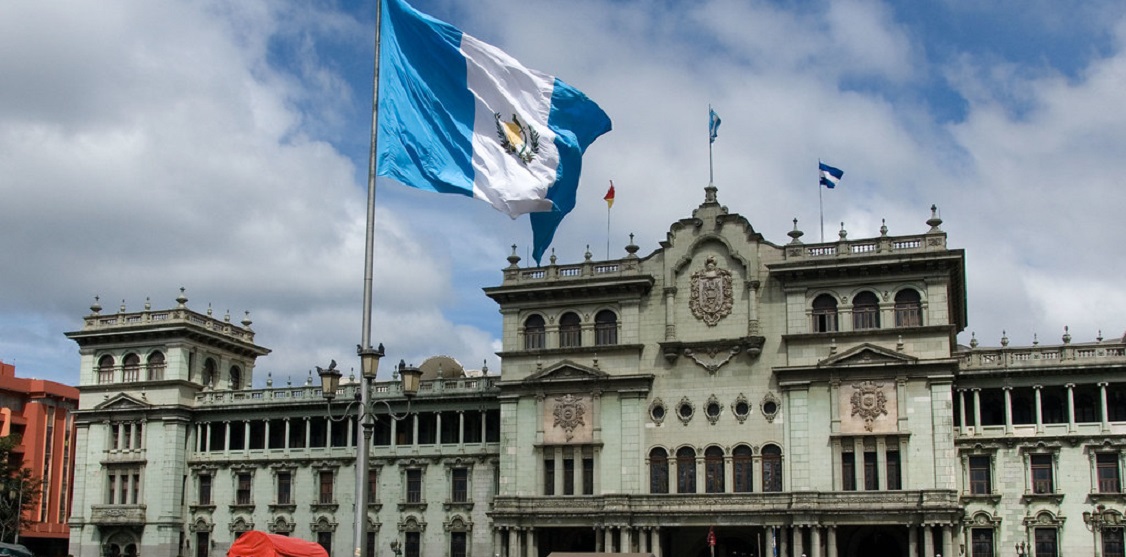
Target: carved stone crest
711,298
568,414
869,402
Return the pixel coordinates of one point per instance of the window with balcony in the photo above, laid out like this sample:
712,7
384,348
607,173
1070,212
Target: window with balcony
549,475
568,471
848,471
605,328
871,471
155,366
459,544
235,378
570,330
209,371
894,480
373,486
459,485
981,542
686,470
412,546
1106,465
1041,471
658,471
325,479
742,464
123,486
981,474
285,488
865,311
908,308
1112,542
713,470
824,314
243,489
1046,542
202,544
205,489
131,368
772,468
414,485
324,539
105,370
534,332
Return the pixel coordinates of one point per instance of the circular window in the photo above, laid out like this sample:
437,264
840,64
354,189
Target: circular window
770,407
742,408
657,413
685,411
712,409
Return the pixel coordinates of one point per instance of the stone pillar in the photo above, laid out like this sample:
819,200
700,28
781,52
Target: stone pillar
961,414
670,313
246,435
832,541
627,539
531,543
1104,422
928,540
227,436
752,307
815,541
912,540
285,442
1008,409
655,541
437,428
947,540
881,464
460,427
977,411
498,542
514,543
1070,407
799,541
608,539
1039,409
558,451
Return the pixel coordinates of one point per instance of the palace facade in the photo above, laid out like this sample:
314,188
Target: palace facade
780,399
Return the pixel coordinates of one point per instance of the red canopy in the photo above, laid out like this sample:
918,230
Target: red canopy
261,544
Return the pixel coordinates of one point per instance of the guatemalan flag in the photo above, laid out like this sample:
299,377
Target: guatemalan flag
457,115
829,176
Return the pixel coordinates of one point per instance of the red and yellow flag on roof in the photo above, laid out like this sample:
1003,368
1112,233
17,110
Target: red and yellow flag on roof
609,196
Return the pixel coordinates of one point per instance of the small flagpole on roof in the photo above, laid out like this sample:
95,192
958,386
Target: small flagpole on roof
609,199
820,203
713,129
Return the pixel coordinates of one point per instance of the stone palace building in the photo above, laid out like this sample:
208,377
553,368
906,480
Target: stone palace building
791,399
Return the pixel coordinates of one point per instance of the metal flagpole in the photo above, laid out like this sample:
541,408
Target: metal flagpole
360,520
821,206
711,169
608,230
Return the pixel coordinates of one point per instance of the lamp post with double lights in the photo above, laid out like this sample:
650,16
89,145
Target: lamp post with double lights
1022,549
409,377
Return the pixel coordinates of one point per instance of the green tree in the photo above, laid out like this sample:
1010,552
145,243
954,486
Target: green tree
19,491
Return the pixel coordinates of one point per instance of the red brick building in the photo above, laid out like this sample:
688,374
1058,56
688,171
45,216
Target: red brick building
40,413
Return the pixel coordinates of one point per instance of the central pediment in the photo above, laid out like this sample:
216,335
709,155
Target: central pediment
124,402
566,370
867,354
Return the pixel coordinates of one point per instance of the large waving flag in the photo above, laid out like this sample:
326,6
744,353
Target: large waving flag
457,115
713,125
830,176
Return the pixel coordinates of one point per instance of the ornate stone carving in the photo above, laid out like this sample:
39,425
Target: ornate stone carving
657,411
770,406
741,408
568,414
713,357
869,402
711,298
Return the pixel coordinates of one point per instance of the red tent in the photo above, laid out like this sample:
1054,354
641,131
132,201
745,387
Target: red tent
261,544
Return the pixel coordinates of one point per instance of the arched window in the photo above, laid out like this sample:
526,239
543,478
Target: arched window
741,464
713,470
534,332
209,371
686,470
605,328
865,311
236,378
156,366
658,471
105,370
570,331
772,468
824,314
131,368
908,308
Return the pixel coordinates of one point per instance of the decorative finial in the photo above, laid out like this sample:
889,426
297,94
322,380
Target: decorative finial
552,259
1100,337
96,307
594,361
513,259
587,255
795,233
934,221
182,299
973,339
309,379
1035,341
484,367
1004,338
1066,335
122,308
209,309
832,346
148,304
883,227
288,380
843,233
269,379
632,248
227,316
246,320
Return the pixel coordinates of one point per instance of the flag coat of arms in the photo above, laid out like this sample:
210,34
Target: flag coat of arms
457,115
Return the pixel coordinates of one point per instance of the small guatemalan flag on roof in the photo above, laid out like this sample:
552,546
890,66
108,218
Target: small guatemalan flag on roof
830,176
457,115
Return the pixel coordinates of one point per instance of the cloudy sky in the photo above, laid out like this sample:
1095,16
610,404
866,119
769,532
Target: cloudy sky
222,147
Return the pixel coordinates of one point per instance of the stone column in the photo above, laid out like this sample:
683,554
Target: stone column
832,541
928,540
246,435
498,542
977,411
227,436
947,540
799,541
961,414
912,540
670,313
531,543
461,427
627,539
1008,409
558,470
752,307
437,428
608,539
815,541
1104,422
655,541
285,442
1070,407
783,541
1039,409
881,464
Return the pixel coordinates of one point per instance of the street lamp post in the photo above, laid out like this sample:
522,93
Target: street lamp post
366,416
1022,549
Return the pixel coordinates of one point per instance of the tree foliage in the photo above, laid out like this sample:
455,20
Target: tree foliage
19,491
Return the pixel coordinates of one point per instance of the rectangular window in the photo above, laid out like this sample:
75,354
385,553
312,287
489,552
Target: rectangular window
413,544
324,539
848,471
112,479
114,437
373,487
1041,465
205,489
459,487
1046,543
871,472
326,477
549,476
136,491
242,491
893,477
105,376
981,542
285,488
568,474
980,475
414,486
1112,542
202,544
743,472
458,544
126,437
123,489
1107,466
713,473
588,476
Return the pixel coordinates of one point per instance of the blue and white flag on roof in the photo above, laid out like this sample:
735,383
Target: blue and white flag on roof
713,125
830,176
457,115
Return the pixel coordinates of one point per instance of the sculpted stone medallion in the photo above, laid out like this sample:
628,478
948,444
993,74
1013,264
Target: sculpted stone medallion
711,298
568,414
869,402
